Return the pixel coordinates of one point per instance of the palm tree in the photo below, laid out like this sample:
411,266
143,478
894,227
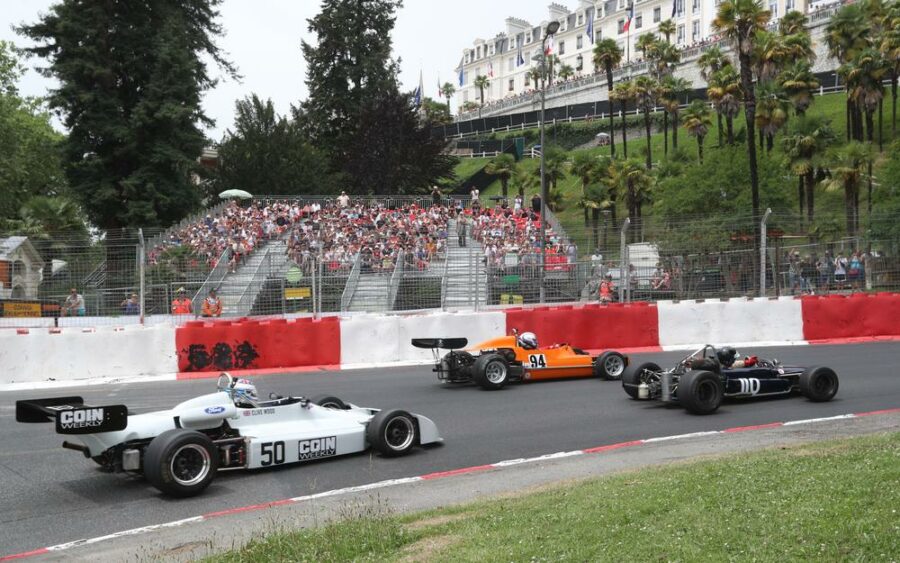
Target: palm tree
522,181
502,166
804,148
631,181
697,122
665,58
772,112
847,169
566,72
553,63
798,83
864,79
667,28
607,55
712,61
554,166
646,44
740,21
845,35
645,93
447,90
671,90
770,54
890,50
481,82
726,94
623,93
793,22
535,76
584,167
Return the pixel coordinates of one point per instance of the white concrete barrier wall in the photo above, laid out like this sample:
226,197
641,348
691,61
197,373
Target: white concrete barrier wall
373,339
736,321
74,353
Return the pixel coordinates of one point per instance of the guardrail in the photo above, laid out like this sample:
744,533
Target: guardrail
257,279
352,282
213,280
396,276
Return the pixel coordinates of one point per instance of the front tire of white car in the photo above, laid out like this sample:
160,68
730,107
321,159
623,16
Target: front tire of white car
181,462
392,433
330,402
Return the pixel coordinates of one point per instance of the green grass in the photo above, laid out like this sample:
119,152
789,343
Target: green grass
830,501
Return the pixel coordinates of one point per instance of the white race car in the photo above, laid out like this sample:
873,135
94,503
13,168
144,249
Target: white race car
180,450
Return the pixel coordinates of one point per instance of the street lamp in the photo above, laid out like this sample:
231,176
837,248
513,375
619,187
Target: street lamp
552,28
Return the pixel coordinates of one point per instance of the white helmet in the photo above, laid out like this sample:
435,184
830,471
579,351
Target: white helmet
528,340
244,391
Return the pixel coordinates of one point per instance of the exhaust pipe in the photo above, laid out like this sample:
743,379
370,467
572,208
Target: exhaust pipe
77,448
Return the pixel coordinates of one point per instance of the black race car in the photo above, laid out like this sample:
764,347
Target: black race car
701,380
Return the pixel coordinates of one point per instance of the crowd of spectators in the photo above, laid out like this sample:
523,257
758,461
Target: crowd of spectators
810,273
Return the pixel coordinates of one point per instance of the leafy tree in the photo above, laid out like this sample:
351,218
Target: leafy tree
665,57
848,167
772,112
712,61
667,28
770,54
504,167
266,153
726,94
645,94
633,183
697,122
585,167
741,21
671,90
554,167
447,90
623,93
798,82
846,35
793,22
646,44
804,148
523,181
131,79
865,75
889,45
436,112
566,72
607,55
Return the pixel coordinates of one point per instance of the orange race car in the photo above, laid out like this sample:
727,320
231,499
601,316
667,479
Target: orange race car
498,361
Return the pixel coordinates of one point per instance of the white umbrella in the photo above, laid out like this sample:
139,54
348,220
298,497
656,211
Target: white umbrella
239,194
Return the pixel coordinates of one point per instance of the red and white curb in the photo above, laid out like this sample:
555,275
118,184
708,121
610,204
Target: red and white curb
429,477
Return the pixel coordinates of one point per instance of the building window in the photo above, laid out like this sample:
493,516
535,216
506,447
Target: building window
638,21
656,14
512,84
562,47
680,35
510,64
465,96
580,19
478,52
512,43
579,42
695,6
528,39
695,30
621,4
527,80
527,57
621,25
773,7
679,8
598,36
789,5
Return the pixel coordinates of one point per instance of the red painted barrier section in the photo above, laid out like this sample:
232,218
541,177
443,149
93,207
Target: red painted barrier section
594,326
859,315
250,344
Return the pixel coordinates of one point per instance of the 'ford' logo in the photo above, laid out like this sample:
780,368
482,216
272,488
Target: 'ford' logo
215,410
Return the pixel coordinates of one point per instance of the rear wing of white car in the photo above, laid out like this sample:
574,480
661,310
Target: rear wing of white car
72,416
445,343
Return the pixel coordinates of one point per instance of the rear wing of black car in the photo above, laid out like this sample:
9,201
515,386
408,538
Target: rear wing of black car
72,416
445,343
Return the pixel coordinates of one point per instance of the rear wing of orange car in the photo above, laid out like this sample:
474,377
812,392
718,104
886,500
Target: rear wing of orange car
445,343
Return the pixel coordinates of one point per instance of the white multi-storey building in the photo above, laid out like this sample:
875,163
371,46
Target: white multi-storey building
498,58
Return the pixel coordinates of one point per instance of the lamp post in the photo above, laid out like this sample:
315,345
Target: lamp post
552,28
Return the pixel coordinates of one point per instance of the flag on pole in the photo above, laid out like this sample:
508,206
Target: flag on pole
674,7
628,17
439,86
520,60
461,75
491,69
590,26
420,91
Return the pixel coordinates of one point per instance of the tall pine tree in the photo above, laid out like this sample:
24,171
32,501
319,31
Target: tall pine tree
131,77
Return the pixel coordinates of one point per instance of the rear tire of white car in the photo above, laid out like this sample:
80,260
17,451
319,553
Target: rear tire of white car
610,365
392,433
181,462
819,384
700,392
491,371
631,378
329,402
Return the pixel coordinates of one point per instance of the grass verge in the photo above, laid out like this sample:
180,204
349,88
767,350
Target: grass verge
829,501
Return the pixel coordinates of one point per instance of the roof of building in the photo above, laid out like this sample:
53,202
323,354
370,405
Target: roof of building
8,245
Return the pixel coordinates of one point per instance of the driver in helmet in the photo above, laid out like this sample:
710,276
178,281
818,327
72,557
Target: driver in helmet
727,357
528,341
244,393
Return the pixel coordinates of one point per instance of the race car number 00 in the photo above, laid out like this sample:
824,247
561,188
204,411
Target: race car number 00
537,360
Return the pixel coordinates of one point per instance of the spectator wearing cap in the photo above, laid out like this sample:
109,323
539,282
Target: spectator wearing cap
181,305
212,306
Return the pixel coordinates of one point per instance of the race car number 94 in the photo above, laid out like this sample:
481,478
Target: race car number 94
537,360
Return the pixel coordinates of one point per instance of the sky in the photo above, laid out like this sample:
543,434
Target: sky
263,40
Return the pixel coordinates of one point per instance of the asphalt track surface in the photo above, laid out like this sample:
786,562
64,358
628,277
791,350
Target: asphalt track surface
49,495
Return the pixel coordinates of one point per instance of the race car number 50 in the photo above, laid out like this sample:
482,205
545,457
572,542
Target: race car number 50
537,361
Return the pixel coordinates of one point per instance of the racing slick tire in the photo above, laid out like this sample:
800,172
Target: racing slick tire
610,365
392,433
631,377
491,371
700,392
330,402
181,462
819,384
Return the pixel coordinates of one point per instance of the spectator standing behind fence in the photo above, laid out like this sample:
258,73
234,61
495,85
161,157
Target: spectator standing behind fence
131,305
536,203
343,200
606,289
212,306
73,305
436,195
462,223
181,305
840,270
